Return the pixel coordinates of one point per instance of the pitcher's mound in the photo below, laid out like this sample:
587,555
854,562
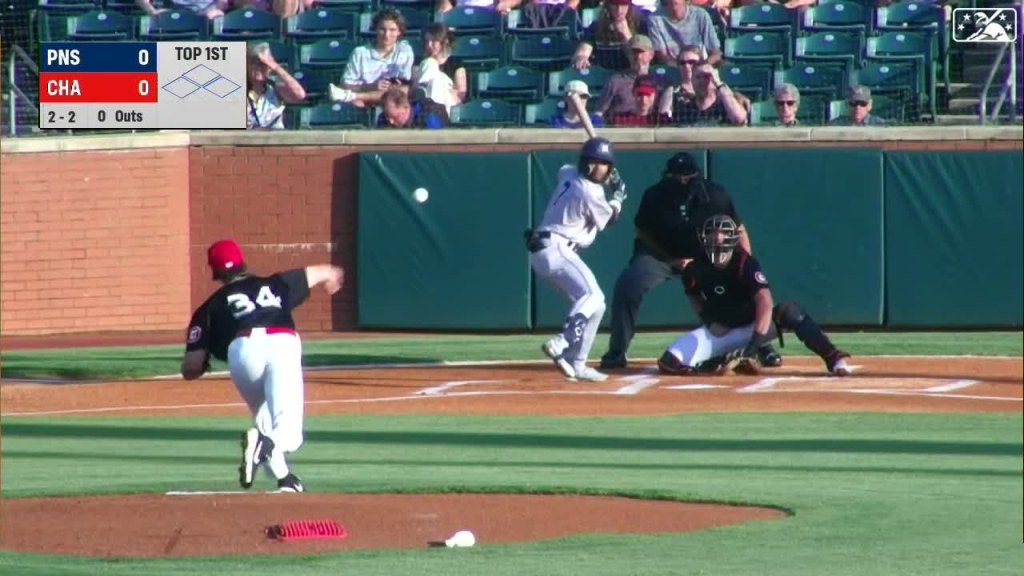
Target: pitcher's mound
229,523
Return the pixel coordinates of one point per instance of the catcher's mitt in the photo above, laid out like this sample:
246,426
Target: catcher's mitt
747,365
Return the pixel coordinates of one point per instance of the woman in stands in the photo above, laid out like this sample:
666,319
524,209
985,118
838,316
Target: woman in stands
617,21
265,98
441,77
374,68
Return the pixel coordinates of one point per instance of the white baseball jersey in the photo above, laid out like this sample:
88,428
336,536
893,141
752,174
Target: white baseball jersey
578,209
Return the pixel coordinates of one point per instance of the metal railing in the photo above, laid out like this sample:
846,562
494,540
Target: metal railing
15,91
1008,89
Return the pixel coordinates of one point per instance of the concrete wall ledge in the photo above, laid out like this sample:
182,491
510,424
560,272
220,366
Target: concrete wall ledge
488,136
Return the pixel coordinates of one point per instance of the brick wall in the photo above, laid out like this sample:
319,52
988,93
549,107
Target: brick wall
94,241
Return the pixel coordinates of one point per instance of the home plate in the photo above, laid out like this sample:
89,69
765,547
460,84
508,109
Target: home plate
695,386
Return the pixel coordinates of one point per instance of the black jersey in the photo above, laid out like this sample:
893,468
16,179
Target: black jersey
728,293
246,302
673,212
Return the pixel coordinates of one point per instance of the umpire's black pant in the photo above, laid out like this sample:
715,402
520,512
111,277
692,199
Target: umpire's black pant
644,272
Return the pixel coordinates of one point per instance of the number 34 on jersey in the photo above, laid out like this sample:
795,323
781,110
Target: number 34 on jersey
241,305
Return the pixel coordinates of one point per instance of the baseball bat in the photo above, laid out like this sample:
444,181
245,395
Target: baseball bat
581,110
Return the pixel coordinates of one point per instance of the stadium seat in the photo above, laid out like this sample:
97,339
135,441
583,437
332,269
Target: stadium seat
403,5
899,80
567,25
326,53
666,75
540,112
415,21
470,20
769,48
100,26
314,81
311,25
333,115
610,56
484,113
594,76
52,17
173,25
247,24
810,79
282,52
761,17
478,52
907,46
838,15
753,81
357,6
909,14
837,48
126,7
511,83
890,109
545,53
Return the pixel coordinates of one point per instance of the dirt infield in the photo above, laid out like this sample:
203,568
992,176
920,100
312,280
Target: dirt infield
180,524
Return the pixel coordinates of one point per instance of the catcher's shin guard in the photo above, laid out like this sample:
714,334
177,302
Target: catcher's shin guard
788,315
672,366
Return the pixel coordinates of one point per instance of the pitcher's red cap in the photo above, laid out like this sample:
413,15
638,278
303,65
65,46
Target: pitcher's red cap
224,255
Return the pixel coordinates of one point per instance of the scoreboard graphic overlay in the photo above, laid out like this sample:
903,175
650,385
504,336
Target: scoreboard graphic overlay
144,85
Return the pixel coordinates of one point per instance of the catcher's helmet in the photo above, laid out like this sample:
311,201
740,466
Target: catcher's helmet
599,149
719,235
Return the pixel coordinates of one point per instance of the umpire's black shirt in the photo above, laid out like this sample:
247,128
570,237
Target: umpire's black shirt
673,213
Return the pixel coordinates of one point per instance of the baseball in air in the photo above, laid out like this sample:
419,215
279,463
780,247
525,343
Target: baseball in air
420,195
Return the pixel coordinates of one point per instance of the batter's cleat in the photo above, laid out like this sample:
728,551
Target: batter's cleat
256,448
588,374
613,362
290,483
768,357
549,350
837,365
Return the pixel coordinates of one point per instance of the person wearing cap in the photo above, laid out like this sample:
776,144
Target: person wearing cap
617,22
786,99
667,223
247,322
858,101
568,118
680,25
645,93
616,96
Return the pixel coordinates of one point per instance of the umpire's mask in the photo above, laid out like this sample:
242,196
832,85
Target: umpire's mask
719,235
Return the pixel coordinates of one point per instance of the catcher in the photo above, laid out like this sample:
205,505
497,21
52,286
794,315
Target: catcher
728,290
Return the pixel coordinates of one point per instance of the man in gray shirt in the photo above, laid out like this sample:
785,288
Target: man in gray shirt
682,25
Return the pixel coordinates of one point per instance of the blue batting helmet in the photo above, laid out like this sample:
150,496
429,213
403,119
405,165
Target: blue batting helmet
599,149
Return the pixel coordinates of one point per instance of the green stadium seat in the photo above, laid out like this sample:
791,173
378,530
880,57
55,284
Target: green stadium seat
666,75
333,115
907,46
810,79
357,6
282,52
594,76
540,112
753,81
769,48
835,48
471,20
52,17
326,53
545,53
407,4
314,24
511,83
100,26
173,25
247,24
762,17
835,16
909,14
900,80
479,52
567,25
314,81
484,113
610,56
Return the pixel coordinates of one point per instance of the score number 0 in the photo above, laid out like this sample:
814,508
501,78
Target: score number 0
143,84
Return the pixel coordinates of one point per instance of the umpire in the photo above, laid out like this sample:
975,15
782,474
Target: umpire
666,224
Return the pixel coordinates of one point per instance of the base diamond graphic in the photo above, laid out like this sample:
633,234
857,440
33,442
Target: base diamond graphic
221,86
181,87
201,75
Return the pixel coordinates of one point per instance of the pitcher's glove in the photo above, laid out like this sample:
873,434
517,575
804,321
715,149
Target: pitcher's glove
617,187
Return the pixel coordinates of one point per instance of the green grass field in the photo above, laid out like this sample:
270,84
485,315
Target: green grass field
870,493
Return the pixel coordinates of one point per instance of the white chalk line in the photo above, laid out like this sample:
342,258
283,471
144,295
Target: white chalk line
636,386
954,385
901,393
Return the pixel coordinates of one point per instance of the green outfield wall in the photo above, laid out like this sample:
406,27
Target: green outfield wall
860,236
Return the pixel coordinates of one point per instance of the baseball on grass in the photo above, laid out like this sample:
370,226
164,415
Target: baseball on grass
420,195
461,539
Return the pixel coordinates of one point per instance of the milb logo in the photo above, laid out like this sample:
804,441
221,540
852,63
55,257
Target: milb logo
994,25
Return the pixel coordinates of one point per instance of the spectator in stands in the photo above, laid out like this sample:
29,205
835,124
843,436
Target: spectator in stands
283,8
683,25
442,77
617,95
858,99
211,9
266,98
397,111
713,102
502,6
546,13
676,96
569,118
616,23
387,62
786,98
645,92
